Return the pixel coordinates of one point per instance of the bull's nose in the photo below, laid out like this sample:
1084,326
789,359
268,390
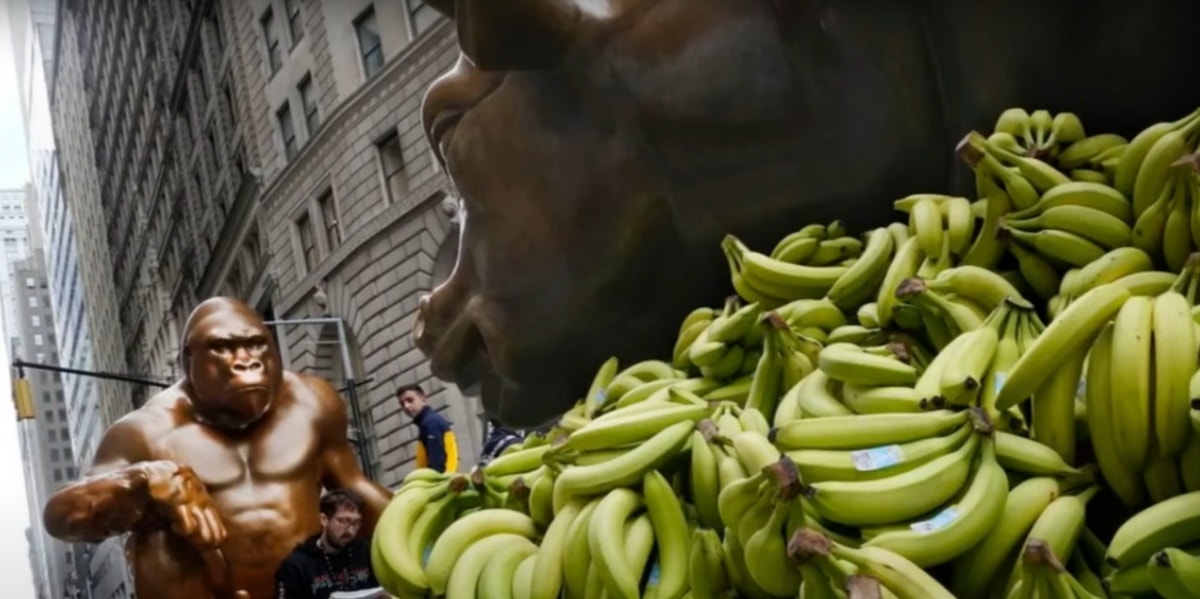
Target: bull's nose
420,328
425,328
437,313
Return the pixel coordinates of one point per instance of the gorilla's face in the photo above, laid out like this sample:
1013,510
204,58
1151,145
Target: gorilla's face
231,364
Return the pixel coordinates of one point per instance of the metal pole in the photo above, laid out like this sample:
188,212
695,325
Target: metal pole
356,414
364,444
19,364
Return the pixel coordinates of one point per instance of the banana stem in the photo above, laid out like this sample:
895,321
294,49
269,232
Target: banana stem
807,544
786,477
1038,553
859,586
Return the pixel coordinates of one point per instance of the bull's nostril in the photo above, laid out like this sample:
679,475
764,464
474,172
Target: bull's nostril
418,332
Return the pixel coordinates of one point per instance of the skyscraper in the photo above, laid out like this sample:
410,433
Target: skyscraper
66,226
14,234
49,460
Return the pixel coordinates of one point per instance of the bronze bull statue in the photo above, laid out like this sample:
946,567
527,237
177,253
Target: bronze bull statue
604,147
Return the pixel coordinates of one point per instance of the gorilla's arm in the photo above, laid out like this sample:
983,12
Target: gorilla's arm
339,466
112,496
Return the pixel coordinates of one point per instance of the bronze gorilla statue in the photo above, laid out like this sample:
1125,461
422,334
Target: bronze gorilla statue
604,147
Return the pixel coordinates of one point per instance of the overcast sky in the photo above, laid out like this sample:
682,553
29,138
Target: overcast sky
14,514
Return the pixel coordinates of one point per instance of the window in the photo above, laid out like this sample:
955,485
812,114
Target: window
212,145
370,45
54,455
33,302
274,52
57,475
62,414
35,320
201,83
41,358
39,340
214,19
391,167
49,414
199,186
420,15
308,100
295,27
329,214
228,94
30,283
53,434
67,451
286,130
308,245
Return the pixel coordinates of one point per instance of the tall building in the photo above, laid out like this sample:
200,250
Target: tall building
79,278
49,460
14,233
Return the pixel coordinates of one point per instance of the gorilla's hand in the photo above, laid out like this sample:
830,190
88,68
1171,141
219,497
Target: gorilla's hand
186,503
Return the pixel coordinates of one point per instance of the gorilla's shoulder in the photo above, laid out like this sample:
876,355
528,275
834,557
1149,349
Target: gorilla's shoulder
312,391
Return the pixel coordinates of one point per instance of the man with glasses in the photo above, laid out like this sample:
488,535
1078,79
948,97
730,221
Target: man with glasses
333,560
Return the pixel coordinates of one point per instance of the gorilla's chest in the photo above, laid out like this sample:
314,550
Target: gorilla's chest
283,449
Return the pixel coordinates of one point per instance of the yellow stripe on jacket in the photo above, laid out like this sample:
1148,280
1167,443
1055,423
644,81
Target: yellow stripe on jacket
451,445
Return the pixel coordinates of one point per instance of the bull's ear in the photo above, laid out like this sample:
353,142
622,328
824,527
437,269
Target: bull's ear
515,34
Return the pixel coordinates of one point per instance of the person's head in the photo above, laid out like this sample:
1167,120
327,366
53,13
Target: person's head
231,365
341,517
412,399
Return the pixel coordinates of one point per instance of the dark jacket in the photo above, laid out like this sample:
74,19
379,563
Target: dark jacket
310,573
436,446
498,439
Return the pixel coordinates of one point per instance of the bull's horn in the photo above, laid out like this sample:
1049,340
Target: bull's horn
515,34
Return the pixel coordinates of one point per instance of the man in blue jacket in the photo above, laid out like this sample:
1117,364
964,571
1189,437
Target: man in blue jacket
436,445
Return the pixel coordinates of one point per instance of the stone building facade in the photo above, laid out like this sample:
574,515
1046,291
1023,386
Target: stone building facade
269,150
359,220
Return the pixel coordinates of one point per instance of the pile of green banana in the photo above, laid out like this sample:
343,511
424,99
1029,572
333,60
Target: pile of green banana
997,396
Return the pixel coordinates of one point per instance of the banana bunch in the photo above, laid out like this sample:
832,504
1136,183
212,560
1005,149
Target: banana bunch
770,282
818,245
1167,226
1093,159
426,505
943,316
1138,393
1036,133
1129,267
1156,550
721,345
925,409
830,566
1143,171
